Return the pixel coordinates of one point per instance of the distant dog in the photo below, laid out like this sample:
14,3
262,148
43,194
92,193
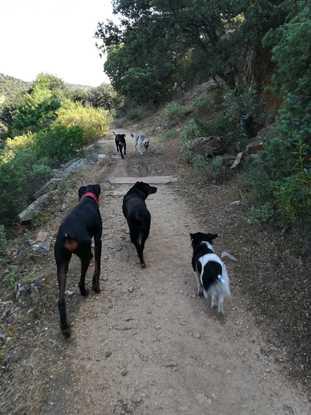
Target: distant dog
212,275
120,144
141,143
138,216
74,237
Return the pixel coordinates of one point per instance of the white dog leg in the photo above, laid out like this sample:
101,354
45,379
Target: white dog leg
221,304
213,300
199,286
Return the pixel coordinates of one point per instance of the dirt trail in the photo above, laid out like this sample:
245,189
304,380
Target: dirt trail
146,344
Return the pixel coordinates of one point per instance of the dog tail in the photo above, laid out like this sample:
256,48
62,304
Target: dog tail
223,280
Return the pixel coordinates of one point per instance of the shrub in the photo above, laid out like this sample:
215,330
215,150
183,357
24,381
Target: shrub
169,134
201,104
3,241
93,122
175,112
135,113
37,111
200,163
192,129
58,143
281,176
20,175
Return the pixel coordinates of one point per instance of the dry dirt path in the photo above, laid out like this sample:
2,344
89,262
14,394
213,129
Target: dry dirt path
146,344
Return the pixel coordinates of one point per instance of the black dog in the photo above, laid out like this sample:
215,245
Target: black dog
120,143
138,216
74,237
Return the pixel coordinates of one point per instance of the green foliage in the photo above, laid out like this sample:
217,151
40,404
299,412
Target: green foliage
291,53
56,129
164,46
199,163
37,111
103,96
57,144
170,134
49,82
18,176
175,112
3,130
281,175
11,277
192,129
93,122
135,113
3,242
10,89
201,104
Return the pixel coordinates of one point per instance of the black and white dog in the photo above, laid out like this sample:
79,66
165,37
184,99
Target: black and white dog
120,143
141,143
212,276
138,216
74,237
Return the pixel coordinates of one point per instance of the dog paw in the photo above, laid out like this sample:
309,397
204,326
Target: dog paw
200,293
84,291
96,289
143,265
66,331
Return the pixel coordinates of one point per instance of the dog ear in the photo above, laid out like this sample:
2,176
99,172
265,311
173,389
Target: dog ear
97,189
82,190
212,236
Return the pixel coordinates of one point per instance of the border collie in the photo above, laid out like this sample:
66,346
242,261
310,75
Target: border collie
141,143
120,144
212,276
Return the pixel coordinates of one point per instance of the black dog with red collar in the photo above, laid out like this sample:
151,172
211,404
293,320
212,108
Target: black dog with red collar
75,237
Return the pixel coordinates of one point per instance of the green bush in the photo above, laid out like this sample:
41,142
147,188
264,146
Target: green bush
169,134
55,129
3,242
58,143
201,104
135,113
200,163
175,112
191,130
281,175
37,111
93,122
20,175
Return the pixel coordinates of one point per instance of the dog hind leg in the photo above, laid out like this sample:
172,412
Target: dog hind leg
221,304
85,262
213,300
61,277
199,286
98,249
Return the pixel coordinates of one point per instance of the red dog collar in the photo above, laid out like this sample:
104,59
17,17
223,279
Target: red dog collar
91,195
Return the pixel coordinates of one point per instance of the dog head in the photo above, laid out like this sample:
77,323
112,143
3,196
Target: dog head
198,237
90,188
145,188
